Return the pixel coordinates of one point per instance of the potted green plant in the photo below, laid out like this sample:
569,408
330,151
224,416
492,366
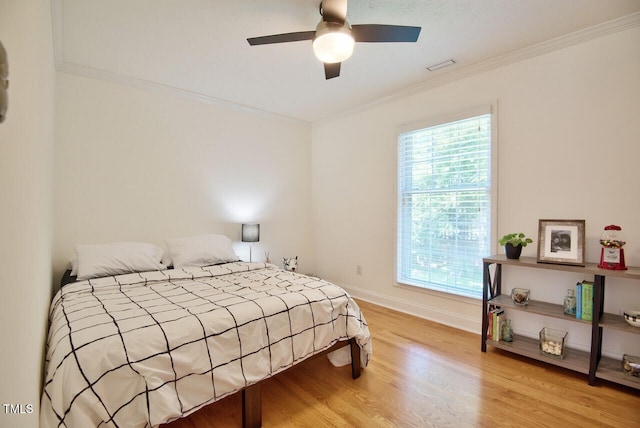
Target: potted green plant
513,244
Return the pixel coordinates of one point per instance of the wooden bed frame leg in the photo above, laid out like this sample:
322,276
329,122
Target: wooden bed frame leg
252,407
252,398
355,359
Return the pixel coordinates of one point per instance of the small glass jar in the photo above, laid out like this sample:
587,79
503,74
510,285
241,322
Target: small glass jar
520,296
570,302
552,342
507,331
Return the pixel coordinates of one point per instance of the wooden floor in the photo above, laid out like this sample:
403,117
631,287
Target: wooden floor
424,374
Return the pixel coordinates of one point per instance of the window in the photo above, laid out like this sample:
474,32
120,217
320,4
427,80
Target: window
445,203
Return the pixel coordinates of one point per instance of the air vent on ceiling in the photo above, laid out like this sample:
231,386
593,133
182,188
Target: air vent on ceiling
441,65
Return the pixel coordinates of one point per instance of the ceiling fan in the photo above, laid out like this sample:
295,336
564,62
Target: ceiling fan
334,37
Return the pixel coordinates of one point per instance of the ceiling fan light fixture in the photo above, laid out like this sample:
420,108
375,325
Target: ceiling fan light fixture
333,42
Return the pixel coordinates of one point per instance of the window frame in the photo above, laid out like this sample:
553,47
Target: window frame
490,109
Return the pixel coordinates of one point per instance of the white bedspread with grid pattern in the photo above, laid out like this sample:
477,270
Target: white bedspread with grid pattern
142,349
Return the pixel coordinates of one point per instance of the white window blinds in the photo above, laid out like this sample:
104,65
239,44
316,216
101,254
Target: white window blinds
444,205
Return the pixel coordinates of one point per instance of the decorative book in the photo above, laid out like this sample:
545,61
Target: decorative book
587,300
495,321
579,300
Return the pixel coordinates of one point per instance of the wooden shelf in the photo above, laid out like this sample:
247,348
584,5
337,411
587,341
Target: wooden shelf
589,268
617,322
553,310
527,347
611,370
591,363
537,307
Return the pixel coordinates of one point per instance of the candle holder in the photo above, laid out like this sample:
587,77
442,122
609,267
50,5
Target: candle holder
520,296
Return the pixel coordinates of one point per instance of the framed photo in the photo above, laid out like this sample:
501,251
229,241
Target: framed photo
561,242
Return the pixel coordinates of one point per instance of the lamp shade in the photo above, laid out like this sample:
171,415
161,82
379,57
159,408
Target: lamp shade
333,42
250,232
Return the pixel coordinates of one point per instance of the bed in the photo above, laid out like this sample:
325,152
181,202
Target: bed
145,348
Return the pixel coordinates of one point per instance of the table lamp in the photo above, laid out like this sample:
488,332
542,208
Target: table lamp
250,233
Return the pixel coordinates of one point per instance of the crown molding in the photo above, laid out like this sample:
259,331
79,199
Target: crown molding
561,42
98,74
121,79
548,46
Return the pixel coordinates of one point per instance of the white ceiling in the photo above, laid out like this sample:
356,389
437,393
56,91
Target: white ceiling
198,48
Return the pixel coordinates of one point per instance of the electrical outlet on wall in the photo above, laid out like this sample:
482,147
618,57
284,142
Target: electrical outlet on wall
358,269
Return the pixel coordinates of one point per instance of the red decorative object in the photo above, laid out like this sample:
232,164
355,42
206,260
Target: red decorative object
612,253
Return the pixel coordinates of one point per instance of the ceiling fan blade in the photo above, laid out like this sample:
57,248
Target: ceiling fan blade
282,38
334,10
384,33
331,70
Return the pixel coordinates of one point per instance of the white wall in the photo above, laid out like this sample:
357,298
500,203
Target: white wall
26,142
138,165
568,149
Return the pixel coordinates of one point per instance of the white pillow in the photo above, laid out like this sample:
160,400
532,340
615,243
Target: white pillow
201,250
116,258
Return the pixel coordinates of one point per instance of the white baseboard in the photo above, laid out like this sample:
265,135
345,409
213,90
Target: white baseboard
431,313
